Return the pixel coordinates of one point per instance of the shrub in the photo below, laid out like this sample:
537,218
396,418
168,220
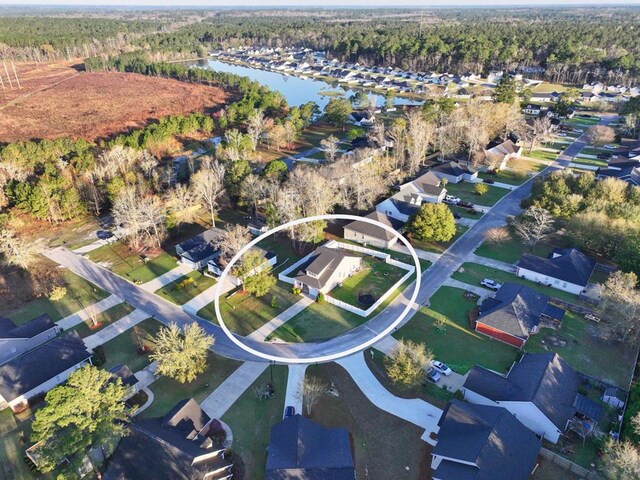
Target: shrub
99,356
296,290
186,282
320,298
480,189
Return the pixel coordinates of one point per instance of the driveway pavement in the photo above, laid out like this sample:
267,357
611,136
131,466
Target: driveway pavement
115,329
295,381
490,262
200,301
94,309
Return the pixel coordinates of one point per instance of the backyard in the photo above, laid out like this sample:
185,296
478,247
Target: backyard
125,349
251,420
465,191
456,345
182,290
12,447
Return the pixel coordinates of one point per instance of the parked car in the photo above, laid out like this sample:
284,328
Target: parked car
433,375
604,156
457,216
104,234
576,130
492,284
440,367
610,146
465,204
451,200
490,181
290,411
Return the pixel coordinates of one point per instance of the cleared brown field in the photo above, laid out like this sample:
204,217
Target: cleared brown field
58,101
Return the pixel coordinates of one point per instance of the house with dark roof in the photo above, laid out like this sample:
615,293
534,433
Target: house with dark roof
40,369
18,339
216,267
302,450
498,154
482,442
426,188
200,249
127,377
455,172
515,313
325,269
624,169
541,390
182,445
369,234
566,269
362,119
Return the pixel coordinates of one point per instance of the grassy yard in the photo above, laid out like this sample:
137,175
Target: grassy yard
180,293
609,361
124,349
251,420
541,155
464,191
590,161
439,247
80,294
375,278
524,165
104,319
466,212
12,449
318,155
282,248
458,346
594,150
168,392
120,259
512,177
473,273
511,251
244,313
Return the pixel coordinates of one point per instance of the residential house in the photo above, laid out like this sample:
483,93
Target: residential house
532,109
179,446
257,227
127,377
482,442
515,313
498,154
18,339
402,204
545,97
429,187
588,97
455,172
325,270
369,234
595,87
362,119
623,169
216,267
566,269
199,250
40,369
495,75
541,390
301,449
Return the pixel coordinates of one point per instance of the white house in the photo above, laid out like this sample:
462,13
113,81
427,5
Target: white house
498,154
326,269
215,269
532,109
455,172
18,339
369,234
566,269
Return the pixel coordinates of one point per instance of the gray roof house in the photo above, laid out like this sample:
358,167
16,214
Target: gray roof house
426,188
498,154
369,234
302,450
40,369
566,269
325,269
455,172
515,312
481,442
198,250
541,390
177,446
18,339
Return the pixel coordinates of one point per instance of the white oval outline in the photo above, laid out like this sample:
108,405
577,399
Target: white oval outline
333,356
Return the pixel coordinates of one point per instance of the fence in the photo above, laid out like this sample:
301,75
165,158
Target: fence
568,465
283,276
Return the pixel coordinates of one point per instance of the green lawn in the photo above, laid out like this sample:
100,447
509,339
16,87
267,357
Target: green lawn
512,177
590,161
120,259
522,165
251,420
12,466
609,361
180,293
104,319
168,392
511,251
439,247
458,346
473,273
466,212
80,294
541,155
593,151
124,349
281,246
464,191
244,313
375,278
317,155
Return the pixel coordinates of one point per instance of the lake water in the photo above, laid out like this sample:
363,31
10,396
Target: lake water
295,89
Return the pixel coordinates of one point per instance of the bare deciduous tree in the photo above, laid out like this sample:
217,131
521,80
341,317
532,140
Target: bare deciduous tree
621,303
15,250
208,185
182,203
256,126
621,460
232,241
533,225
601,134
497,235
312,389
143,217
420,135
330,147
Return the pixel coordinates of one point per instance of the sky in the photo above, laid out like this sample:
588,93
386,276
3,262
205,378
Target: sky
342,3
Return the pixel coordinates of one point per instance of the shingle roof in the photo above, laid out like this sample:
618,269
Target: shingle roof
125,374
322,263
204,237
489,437
453,168
30,329
630,174
505,148
544,379
373,230
516,309
303,450
569,265
30,370
428,184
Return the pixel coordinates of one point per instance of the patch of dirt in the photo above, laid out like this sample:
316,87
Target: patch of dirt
58,100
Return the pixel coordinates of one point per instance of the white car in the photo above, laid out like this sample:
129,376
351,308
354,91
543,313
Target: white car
610,147
451,200
441,367
492,284
562,134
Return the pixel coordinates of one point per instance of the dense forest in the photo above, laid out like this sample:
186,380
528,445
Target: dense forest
570,44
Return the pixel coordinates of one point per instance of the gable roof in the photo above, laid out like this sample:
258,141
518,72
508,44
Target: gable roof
629,174
453,168
303,450
406,201
207,236
373,230
516,309
30,370
502,149
568,264
125,374
322,263
428,184
490,438
36,326
544,379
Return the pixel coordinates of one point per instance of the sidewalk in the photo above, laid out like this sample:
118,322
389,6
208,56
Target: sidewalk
482,292
295,382
147,375
171,276
432,257
94,309
198,302
490,262
115,329
223,397
264,331
413,410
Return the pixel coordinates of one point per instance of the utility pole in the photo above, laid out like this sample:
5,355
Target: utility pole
7,72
